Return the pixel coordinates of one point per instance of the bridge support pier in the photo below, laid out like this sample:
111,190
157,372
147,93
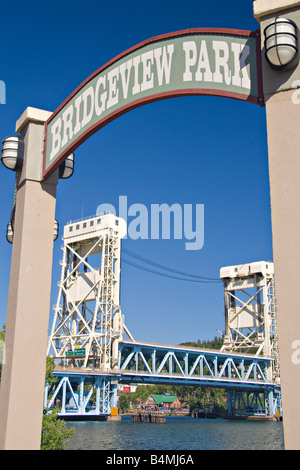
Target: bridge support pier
248,403
82,395
230,402
114,396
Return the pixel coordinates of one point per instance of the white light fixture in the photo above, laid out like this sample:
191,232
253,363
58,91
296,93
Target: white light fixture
10,232
56,230
281,44
66,169
11,156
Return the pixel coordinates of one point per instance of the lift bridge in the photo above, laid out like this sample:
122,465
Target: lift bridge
95,351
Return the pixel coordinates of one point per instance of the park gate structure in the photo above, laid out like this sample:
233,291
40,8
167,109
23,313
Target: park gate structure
260,67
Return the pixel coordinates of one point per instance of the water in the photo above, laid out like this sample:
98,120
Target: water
178,433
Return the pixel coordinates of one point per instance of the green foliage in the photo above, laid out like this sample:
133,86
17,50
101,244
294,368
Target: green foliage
50,366
124,402
54,432
215,343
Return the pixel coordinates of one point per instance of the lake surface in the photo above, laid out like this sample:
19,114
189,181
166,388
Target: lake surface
178,433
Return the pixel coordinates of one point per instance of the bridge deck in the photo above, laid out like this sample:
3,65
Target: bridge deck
183,347
141,361
153,363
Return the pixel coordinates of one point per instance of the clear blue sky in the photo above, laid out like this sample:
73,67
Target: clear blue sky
192,150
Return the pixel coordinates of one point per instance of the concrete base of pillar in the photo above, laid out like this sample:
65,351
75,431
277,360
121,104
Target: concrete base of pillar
114,418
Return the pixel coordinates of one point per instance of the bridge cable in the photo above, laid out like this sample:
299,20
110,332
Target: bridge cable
166,268
167,275
200,279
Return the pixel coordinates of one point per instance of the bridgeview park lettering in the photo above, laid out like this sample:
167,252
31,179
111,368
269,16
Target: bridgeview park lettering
182,65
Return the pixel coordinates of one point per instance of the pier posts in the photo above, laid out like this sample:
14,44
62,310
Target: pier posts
151,417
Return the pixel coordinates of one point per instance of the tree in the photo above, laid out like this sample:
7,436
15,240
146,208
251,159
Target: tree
54,431
50,366
215,343
124,403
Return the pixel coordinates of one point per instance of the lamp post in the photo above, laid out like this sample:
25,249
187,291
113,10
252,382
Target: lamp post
32,229
279,23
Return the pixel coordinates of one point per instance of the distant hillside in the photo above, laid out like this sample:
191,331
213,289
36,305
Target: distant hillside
215,343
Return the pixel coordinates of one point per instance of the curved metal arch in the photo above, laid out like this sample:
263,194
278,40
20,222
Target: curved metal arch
157,93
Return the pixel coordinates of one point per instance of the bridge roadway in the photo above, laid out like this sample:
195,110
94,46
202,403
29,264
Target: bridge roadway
144,362
87,393
153,363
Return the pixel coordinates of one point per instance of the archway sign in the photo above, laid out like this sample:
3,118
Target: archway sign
221,62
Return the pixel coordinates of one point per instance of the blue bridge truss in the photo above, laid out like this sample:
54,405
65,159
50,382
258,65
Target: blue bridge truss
90,394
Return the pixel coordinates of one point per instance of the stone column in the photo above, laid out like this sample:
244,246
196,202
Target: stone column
283,124
23,375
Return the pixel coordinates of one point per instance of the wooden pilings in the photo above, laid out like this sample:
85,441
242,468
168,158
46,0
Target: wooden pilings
153,417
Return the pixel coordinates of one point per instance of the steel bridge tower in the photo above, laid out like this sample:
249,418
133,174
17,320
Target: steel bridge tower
250,311
87,334
88,325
